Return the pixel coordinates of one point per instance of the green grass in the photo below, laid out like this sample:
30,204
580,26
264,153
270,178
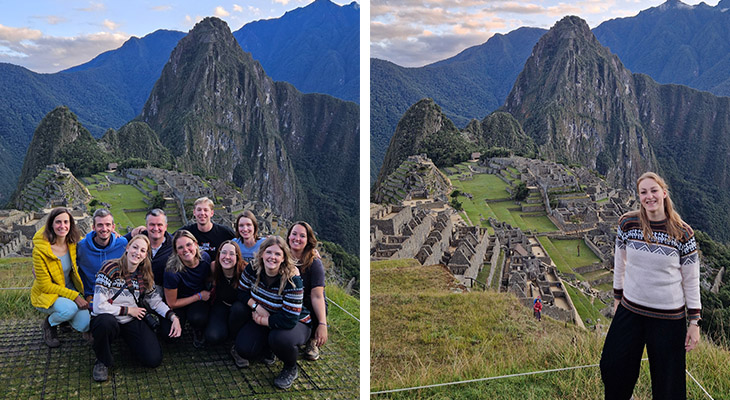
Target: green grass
122,197
16,273
423,333
586,309
564,254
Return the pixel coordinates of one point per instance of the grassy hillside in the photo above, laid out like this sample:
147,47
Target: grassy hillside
424,332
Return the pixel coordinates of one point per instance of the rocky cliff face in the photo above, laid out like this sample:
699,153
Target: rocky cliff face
219,113
579,104
136,140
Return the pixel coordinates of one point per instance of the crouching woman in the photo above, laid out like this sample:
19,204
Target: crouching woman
122,285
276,320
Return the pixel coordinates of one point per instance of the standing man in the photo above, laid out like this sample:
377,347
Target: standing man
99,245
209,234
160,242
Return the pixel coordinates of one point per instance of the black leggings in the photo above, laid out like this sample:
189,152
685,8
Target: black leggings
196,313
140,339
621,357
255,341
225,321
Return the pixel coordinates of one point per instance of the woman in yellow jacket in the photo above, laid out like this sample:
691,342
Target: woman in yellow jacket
57,288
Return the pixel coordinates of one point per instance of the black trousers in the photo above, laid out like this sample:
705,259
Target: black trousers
196,313
621,357
255,341
140,339
225,321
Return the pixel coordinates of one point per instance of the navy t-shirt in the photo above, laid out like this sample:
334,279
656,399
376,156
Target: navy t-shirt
313,277
189,281
209,241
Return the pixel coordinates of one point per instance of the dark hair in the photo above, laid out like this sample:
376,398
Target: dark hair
307,255
247,214
240,263
73,235
100,213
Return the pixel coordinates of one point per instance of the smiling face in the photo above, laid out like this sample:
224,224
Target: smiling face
103,226
156,227
186,249
227,256
61,226
273,257
297,239
651,196
202,213
246,228
136,253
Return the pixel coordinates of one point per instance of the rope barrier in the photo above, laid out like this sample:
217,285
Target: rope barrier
698,384
340,307
15,288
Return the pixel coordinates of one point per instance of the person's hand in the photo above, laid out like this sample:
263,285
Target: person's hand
81,303
320,335
205,295
615,305
136,312
260,320
693,337
175,329
262,311
136,231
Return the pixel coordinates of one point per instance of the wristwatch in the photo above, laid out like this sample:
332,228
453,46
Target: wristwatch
695,322
254,306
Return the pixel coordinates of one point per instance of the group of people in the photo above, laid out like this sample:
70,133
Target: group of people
263,294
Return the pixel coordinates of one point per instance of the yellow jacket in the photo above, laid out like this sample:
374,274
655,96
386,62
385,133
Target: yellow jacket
49,282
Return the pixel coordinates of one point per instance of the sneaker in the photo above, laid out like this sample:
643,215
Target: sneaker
286,377
100,372
237,359
269,359
198,339
311,351
50,334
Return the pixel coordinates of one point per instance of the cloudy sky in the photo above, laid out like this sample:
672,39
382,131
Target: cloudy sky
413,33
51,35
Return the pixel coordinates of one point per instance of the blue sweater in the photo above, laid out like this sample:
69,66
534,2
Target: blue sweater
90,258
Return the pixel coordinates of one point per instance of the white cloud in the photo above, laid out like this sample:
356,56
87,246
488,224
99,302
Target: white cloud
237,8
161,8
93,7
221,12
54,19
111,25
282,2
43,54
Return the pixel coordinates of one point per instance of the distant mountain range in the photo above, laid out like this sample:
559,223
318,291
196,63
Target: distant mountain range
111,89
673,43
578,104
215,112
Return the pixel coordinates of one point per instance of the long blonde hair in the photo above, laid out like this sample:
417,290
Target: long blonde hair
174,263
676,227
287,269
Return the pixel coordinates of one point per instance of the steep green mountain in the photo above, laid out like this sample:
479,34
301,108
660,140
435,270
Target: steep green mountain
219,113
469,85
136,140
675,43
501,129
424,128
580,104
60,138
315,48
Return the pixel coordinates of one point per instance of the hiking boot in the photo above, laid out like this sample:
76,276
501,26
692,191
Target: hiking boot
198,339
100,372
50,334
269,359
237,359
311,351
286,377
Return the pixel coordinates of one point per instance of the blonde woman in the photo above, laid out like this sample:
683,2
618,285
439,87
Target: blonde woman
657,290
122,285
275,320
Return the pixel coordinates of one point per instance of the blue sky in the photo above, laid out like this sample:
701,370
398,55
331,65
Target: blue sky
51,35
414,33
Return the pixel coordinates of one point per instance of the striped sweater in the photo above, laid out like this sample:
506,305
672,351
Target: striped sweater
285,309
109,280
656,278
